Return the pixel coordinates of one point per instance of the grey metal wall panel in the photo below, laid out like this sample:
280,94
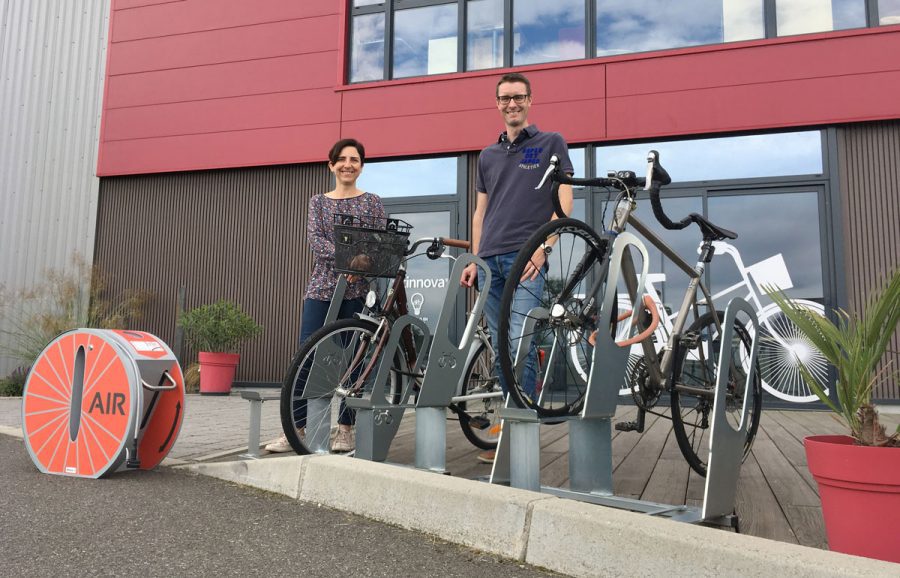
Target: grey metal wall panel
52,65
233,234
869,158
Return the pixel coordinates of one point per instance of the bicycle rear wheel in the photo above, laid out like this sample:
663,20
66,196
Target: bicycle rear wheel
552,378
479,419
693,395
336,356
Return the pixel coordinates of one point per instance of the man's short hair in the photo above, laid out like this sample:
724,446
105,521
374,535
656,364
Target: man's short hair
514,77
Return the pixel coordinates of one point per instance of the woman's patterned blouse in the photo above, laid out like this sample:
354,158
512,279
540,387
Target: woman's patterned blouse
320,233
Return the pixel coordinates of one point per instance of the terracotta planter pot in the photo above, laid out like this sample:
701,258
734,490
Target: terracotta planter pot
860,491
217,372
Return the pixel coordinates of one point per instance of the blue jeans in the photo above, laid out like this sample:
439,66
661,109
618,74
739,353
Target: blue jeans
527,297
314,312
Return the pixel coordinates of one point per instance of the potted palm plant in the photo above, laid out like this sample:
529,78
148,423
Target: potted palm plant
216,331
858,475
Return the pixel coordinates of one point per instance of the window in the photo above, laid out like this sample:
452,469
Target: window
405,38
776,215
484,34
367,62
425,40
547,31
410,178
740,157
625,26
802,16
888,12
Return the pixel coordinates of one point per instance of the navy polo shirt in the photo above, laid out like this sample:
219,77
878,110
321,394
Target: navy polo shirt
508,173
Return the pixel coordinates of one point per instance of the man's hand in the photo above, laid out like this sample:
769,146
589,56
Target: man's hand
470,274
533,268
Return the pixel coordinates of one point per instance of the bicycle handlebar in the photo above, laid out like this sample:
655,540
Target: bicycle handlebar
458,243
436,246
656,177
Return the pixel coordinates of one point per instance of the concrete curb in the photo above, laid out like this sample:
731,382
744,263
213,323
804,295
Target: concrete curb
12,431
587,540
575,538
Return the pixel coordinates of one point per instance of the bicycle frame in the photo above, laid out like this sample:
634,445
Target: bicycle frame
657,368
395,306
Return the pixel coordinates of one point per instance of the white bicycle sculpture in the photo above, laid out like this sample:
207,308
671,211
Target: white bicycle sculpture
782,346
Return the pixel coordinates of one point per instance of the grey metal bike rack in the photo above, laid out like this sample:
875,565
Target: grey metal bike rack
325,371
446,364
377,420
517,462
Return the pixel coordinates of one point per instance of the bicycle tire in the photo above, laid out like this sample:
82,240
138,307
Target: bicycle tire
691,414
344,336
479,378
578,254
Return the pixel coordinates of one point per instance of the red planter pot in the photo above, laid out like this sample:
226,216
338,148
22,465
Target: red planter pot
859,487
217,372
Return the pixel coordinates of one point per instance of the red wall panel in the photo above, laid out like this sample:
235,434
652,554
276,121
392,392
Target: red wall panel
126,4
271,146
282,74
198,15
222,115
212,84
249,42
806,102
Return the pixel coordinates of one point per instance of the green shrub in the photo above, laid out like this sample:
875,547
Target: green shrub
31,318
855,345
218,328
14,384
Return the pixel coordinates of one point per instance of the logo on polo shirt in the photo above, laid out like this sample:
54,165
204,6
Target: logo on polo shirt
531,158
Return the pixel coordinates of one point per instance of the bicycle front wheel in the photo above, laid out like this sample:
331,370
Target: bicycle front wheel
338,358
544,317
479,418
783,349
693,396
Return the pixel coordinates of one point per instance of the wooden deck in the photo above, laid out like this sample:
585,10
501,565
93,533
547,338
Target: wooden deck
777,497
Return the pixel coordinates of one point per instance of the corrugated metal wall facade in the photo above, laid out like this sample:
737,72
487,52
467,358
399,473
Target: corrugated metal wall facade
237,234
869,156
52,67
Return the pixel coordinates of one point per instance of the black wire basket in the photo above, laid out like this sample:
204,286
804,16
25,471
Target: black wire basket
369,246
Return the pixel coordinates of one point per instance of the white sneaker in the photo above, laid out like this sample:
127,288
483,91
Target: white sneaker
343,441
282,445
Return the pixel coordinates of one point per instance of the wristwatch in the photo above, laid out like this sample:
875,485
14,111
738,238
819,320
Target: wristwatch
547,248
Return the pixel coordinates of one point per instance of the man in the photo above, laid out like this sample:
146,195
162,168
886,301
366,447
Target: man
508,210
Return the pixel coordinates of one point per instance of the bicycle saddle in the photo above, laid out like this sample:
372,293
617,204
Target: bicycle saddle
711,232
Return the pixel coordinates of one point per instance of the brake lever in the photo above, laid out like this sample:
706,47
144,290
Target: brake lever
554,162
652,159
435,250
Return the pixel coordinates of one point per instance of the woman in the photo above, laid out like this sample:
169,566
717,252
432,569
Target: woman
345,160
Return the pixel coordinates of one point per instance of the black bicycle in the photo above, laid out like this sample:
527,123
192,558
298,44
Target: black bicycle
563,325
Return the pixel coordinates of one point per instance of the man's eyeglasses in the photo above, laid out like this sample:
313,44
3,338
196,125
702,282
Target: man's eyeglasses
518,98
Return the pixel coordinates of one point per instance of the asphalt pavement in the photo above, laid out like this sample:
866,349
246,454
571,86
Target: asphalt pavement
169,522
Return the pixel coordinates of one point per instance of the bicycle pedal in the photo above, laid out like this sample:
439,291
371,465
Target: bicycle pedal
629,426
479,422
